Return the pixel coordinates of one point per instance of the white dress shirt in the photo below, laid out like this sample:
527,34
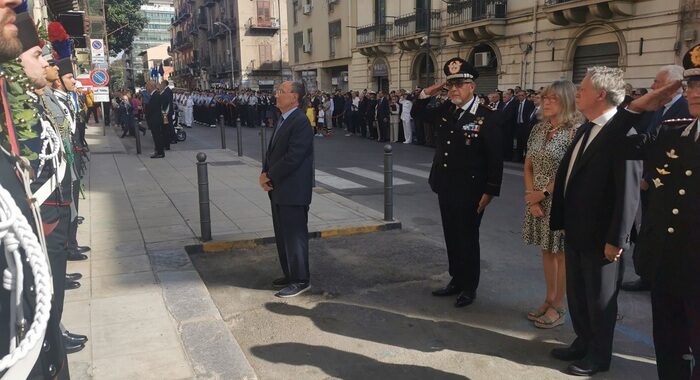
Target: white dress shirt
598,124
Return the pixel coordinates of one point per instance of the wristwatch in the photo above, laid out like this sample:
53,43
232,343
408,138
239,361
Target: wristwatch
546,193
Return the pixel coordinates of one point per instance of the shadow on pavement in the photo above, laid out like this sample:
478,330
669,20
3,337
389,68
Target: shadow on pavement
345,365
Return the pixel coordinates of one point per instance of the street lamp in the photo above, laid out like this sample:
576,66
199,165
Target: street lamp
230,48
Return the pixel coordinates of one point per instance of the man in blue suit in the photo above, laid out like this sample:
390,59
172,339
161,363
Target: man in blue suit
287,177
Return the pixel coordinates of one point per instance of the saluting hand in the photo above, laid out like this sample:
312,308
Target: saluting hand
434,89
654,99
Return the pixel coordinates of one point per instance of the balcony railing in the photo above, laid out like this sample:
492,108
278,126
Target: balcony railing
209,3
555,2
373,34
192,29
261,24
417,22
475,10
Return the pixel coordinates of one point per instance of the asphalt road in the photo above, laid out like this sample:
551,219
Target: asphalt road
512,283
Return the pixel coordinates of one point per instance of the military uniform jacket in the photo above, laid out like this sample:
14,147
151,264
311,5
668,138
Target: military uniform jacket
468,155
670,240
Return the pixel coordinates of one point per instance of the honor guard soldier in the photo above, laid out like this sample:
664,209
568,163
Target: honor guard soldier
669,237
466,172
32,346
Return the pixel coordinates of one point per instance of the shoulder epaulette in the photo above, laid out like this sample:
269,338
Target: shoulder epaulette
677,122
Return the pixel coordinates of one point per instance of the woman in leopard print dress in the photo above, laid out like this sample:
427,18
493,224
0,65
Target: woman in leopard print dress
548,142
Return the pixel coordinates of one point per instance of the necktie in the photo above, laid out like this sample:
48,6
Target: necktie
520,112
277,129
457,112
584,140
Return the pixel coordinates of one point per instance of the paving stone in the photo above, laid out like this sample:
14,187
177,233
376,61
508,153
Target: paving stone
121,284
186,296
128,309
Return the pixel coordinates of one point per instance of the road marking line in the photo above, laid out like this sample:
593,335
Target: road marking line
375,176
415,172
519,173
336,182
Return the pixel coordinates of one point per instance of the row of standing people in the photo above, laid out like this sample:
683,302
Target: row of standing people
582,187
42,160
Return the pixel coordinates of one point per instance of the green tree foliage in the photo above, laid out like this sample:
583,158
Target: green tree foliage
117,74
120,13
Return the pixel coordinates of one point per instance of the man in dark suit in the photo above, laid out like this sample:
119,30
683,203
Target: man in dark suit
508,119
596,196
371,115
649,123
466,173
383,116
522,123
168,109
154,119
287,176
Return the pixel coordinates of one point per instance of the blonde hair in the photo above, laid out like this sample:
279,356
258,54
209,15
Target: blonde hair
565,92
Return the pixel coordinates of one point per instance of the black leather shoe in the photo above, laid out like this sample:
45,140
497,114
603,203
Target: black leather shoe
167,148
72,347
449,290
465,299
158,156
280,283
83,249
75,256
74,276
637,285
80,219
567,354
75,337
293,290
70,285
586,368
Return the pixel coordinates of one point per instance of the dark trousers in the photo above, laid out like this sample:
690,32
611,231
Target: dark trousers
73,229
56,241
93,111
252,116
292,239
592,285
354,125
157,133
460,225
383,129
522,135
363,125
676,321
636,253
508,136
106,110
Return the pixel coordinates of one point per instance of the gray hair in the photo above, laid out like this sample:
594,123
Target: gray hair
673,72
299,89
611,80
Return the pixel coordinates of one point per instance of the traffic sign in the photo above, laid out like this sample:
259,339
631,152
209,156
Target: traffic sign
99,77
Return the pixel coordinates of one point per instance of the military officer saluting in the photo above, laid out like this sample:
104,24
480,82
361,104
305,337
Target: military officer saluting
669,238
466,173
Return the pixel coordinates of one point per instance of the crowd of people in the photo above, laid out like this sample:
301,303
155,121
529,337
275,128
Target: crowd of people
42,160
591,151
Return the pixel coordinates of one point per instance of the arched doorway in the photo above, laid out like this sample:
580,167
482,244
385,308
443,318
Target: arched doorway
595,47
423,71
380,74
485,60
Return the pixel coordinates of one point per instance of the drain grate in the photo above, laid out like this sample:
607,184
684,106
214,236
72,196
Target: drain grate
226,163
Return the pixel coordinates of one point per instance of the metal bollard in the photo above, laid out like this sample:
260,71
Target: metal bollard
239,139
203,185
313,162
262,142
137,133
388,184
223,132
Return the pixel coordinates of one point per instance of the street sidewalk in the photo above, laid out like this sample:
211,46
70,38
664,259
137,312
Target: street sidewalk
144,307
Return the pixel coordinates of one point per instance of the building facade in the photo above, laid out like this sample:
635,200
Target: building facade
218,43
527,43
154,57
159,14
322,62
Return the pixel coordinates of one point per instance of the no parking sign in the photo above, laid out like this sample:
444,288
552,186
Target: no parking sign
99,77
